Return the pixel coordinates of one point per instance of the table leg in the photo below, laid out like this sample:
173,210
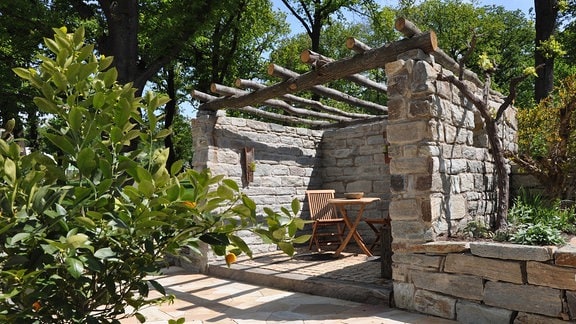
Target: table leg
352,232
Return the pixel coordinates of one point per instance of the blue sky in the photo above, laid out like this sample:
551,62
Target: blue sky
523,5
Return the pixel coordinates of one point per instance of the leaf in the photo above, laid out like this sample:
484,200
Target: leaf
10,170
241,244
295,206
215,239
104,253
46,106
225,192
176,167
301,239
158,286
75,118
99,100
109,77
75,267
286,248
163,133
52,45
147,188
23,73
62,142
86,161
19,237
85,221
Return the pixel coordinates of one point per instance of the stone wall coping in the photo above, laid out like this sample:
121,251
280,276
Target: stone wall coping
563,256
438,247
510,251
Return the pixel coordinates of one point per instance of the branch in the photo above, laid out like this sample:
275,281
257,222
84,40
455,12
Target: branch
513,92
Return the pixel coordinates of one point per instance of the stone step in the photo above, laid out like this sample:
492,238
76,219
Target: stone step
300,278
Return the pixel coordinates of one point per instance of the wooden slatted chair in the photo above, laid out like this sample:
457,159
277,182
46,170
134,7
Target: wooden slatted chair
324,214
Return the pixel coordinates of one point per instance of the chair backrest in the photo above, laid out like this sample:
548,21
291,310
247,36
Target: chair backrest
318,203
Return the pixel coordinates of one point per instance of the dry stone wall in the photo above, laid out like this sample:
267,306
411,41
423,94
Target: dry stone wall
482,282
290,160
442,173
354,159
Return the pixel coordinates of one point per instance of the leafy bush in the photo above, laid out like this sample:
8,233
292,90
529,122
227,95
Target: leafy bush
536,221
546,140
80,250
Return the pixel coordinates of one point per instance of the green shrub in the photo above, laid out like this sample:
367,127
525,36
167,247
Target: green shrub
80,250
536,221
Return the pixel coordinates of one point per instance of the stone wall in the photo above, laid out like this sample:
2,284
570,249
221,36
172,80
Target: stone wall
353,159
290,160
480,282
442,173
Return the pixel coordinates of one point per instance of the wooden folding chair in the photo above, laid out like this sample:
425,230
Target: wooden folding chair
324,214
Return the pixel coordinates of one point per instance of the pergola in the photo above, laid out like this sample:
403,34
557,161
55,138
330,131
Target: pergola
298,110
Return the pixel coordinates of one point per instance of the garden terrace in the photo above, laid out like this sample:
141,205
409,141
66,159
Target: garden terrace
425,154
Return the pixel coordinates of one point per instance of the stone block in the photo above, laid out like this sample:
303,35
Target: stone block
431,303
566,256
395,67
492,269
542,274
524,298
457,207
410,230
526,318
404,209
420,108
403,295
397,183
409,132
473,313
410,165
512,251
419,260
571,304
464,286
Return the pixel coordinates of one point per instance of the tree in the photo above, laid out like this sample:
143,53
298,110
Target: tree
454,21
545,140
546,24
22,24
78,248
314,15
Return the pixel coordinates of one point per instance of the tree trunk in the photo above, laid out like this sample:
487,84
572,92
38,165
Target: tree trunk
546,14
170,112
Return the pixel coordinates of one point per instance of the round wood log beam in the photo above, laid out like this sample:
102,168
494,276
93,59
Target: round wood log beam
375,58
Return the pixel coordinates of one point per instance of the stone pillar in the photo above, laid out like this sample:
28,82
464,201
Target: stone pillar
411,112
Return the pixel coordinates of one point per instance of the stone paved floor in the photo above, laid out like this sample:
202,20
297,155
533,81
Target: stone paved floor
204,299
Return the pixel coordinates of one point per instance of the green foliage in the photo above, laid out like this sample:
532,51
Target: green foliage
545,140
537,221
478,229
455,21
79,250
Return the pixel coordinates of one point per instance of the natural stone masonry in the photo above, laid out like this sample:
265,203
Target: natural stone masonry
441,170
489,282
290,160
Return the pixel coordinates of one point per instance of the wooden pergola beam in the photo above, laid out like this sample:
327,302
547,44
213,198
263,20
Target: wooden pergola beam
229,91
290,120
317,60
285,73
356,45
242,83
372,59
